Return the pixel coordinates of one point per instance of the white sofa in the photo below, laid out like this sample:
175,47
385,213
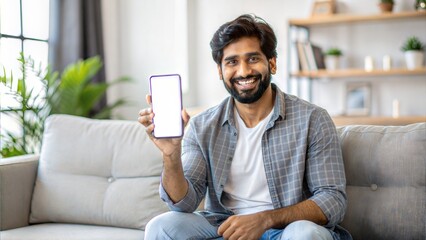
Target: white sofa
98,179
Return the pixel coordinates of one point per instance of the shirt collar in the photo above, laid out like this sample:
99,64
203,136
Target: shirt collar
279,108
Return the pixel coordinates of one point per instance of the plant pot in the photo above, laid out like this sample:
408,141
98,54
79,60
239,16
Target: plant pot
421,6
414,59
386,7
332,62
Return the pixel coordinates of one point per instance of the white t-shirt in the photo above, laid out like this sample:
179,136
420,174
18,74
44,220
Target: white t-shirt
246,190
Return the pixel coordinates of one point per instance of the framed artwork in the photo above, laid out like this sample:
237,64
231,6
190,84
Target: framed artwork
358,99
323,8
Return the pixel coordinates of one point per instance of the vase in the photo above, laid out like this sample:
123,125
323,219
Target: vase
414,59
332,62
386,7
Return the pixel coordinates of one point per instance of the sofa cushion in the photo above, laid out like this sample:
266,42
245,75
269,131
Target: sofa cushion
385,172
55,231
103,172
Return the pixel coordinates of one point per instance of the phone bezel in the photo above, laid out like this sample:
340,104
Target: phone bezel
181,103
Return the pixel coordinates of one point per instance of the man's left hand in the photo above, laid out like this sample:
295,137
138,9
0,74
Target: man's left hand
248,227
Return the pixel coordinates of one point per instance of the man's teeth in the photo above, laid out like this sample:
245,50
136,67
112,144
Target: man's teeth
245,82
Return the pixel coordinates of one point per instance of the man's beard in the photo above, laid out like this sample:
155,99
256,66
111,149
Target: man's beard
245,96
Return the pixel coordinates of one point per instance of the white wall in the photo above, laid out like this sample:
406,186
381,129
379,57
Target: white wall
209,15
146,37
143,38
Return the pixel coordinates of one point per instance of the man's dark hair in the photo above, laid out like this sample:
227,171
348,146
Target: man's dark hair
246,25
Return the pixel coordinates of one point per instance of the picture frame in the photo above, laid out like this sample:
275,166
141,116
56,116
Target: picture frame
323,8
358,99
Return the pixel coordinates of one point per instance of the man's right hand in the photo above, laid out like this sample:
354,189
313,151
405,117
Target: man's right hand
168,146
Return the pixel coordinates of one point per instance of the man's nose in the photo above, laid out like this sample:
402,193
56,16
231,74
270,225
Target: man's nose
244,69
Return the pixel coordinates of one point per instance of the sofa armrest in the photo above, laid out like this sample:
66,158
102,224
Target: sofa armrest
17,179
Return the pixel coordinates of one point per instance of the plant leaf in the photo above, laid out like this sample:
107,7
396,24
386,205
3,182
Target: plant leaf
91,95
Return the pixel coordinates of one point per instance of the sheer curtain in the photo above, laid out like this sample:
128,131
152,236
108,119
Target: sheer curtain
76,33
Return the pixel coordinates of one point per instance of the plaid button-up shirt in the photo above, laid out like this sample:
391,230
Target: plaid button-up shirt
301,154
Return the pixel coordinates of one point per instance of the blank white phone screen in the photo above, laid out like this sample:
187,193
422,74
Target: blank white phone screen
166,96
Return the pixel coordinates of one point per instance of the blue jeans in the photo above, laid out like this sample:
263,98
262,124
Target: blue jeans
191,226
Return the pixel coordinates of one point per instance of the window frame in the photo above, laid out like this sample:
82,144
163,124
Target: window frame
21,35
22,49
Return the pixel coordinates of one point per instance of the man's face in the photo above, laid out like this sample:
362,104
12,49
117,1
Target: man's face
245,70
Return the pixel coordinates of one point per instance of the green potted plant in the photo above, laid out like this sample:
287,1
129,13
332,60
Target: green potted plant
332,58
413,51
72,93
386,5
420,5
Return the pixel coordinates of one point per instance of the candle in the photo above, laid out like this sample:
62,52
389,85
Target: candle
395,108
387,62
368,63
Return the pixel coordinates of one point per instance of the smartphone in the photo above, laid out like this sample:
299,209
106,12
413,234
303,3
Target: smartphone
166,103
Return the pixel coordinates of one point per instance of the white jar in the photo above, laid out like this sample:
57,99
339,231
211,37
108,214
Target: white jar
387,63
332,62
368,64
414,59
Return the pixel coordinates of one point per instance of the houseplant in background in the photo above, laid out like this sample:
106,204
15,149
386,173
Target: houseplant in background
75,94
413,51
420,5
386,6
332,58
72,93
29,112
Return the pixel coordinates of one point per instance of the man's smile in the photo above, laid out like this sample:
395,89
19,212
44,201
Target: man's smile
246,83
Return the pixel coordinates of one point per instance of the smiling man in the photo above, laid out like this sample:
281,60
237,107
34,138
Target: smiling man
268,164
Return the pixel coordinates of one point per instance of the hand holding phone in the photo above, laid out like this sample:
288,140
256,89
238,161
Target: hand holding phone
166,102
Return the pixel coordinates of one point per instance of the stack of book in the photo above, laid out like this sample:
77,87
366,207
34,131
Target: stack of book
310,57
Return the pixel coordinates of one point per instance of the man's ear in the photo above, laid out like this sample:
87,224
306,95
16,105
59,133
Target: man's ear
219,69
273,65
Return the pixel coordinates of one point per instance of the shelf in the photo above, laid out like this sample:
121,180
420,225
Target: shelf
299,30
345,18
377,120
359,73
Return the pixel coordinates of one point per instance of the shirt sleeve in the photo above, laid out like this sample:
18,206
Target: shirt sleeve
325,171
185,205
194,167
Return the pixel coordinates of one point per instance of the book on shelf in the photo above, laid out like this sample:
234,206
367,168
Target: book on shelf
295,36
309,52
294,58
316,56
301,53
309,56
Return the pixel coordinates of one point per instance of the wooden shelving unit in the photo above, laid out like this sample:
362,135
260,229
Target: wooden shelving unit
316,21
344,18
344,73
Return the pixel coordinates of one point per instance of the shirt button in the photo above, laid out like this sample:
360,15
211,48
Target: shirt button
111,179
373,187
235,134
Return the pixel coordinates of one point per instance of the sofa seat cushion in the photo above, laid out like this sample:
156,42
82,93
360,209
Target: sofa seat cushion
103,172
56,231
386,181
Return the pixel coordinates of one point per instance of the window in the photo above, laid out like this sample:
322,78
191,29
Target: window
24,28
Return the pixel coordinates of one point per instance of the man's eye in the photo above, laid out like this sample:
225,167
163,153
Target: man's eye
231,62
253,59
